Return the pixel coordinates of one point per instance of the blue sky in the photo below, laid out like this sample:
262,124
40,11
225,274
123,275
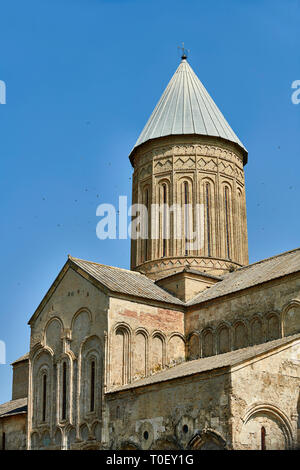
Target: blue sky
82,78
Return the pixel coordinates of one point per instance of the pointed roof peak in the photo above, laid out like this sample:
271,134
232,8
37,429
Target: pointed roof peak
186,108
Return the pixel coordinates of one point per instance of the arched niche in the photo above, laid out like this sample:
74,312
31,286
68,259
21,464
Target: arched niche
96,431
58,438
193,346
140,355
240,336
120,369
45,440
291,320
81,327
223,339
157,353
53,333
273,327
84,432
207,343
176,349
35,441
71,437
256,331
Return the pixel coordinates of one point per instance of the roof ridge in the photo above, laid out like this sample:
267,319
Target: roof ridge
13,400
266,259
21,358
240,279
105,265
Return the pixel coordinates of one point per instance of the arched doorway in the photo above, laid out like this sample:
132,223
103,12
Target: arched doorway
266,427
207,440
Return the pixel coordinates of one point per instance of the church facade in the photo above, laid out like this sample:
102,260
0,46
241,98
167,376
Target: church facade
193,348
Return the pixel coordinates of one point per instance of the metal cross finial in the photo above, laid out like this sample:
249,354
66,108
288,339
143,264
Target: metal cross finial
184,52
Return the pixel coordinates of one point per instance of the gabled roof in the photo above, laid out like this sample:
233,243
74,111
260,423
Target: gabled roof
13,407
185,107
21,359
219,361
124,281
115,281
134,284
251,275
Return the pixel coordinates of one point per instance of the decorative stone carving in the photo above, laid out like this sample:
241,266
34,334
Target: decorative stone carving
207,164
164,164
184,163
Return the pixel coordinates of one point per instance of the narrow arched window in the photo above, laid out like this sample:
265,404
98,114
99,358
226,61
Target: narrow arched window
186,217
239,223
122,356
208,217
146,240
164,222
3,441
227,223
64,392
263,438
92,390
44,398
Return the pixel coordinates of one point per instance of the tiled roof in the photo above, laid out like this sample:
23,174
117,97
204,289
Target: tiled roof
13,407
254,274
21,359
126,282
206,364
186,108
135,284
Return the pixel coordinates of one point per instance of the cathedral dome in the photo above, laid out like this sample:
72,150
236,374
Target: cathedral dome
186,108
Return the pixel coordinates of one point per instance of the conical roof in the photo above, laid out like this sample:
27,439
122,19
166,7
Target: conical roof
185,107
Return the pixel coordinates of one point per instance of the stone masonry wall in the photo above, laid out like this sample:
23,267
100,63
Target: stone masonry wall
69,334
143,339
259,314
265,394
169,415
